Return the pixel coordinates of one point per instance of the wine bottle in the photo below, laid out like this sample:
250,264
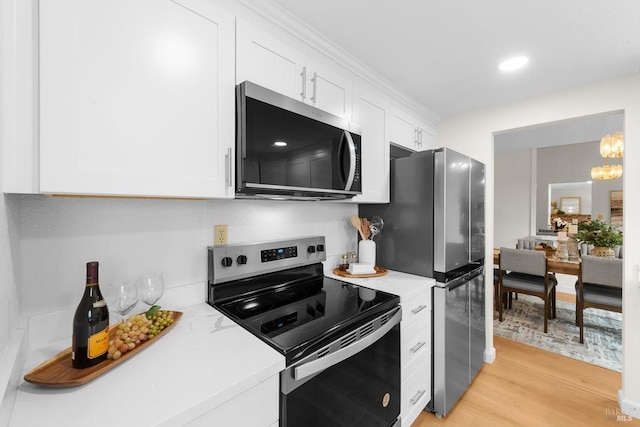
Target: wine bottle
90,341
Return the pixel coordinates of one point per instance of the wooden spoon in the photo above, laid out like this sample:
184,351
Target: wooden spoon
355,221
366,227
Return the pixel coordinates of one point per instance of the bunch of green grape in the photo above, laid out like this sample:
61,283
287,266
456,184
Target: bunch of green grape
160,320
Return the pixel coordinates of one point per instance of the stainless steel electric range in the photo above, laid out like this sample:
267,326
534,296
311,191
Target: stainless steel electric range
341,342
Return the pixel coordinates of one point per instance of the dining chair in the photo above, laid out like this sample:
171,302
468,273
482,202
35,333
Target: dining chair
526,272
599,285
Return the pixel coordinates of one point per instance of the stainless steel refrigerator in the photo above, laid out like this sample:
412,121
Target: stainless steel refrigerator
434,227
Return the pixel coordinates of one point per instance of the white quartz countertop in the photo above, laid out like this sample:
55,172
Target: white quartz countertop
402,284
204,361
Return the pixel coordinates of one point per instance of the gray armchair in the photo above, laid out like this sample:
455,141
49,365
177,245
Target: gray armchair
599,285
526,272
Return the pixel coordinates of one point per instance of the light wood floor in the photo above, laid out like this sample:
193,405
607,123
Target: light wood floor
527,386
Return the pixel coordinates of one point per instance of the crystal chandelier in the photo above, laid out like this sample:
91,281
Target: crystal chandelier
606,172
611,147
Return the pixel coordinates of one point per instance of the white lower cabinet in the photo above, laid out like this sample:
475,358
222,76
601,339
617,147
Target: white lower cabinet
257,407
415,355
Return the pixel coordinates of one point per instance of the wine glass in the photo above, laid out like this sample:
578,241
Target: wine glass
151,287
122,296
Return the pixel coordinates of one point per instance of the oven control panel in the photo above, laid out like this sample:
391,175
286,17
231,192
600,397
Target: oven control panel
237,261
279,253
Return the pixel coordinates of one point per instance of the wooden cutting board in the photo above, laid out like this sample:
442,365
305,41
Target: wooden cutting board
58,371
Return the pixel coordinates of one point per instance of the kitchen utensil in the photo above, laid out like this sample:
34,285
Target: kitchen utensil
355,221
367,252
366,228
376,226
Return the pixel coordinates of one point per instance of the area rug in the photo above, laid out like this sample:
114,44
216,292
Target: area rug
602,332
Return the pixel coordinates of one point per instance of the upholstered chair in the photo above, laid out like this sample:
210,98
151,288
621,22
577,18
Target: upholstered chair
526,272
599,285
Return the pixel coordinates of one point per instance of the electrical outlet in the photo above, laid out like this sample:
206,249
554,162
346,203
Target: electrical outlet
220,234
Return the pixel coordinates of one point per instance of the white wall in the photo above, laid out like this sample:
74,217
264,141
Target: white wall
58,236
472,133
9,310
512,215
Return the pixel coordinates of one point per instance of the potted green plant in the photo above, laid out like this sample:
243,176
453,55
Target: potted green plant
601,235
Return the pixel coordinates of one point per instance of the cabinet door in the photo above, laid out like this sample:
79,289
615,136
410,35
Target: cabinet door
403,129
328,90
257,407
370,111
136,98
426,137
268,62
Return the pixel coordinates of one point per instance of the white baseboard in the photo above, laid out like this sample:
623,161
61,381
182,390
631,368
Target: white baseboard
490,355
627,407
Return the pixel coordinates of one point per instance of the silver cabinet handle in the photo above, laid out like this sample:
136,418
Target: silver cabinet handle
315,85
417,347
227,172
303,74
415,136
417,397
418,309
420,137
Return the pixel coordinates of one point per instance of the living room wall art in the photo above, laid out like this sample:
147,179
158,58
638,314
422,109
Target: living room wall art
616,208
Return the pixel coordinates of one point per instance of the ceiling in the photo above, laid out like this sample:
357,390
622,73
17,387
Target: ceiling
445,53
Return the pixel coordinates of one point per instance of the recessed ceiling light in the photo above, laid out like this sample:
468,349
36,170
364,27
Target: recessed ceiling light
280,144
513,64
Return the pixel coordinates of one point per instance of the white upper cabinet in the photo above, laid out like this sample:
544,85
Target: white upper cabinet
270,62
410,131
136,98
370,111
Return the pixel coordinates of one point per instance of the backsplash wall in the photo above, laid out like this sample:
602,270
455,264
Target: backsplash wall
58,236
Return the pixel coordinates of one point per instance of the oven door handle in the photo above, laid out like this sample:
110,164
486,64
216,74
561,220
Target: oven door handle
319,365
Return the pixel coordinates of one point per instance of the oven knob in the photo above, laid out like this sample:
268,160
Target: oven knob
311,249
242,259
227,261
320,248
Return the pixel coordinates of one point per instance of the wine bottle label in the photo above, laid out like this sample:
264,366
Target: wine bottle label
98,344
98,304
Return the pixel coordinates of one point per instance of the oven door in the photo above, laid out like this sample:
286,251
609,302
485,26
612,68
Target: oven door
351,381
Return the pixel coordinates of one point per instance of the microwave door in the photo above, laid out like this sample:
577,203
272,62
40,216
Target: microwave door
347,149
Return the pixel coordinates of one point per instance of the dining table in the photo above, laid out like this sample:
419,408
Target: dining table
554,264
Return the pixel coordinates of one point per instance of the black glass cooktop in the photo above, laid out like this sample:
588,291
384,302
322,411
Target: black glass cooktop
300,312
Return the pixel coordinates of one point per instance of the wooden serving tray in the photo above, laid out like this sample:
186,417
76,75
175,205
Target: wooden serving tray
380,271
58,371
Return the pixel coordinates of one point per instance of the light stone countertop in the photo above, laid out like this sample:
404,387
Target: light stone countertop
394,282
204,361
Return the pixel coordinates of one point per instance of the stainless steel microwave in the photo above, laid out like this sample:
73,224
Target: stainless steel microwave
286,149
